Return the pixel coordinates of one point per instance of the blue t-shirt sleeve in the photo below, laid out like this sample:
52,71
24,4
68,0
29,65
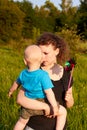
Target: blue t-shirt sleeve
46,82
19,79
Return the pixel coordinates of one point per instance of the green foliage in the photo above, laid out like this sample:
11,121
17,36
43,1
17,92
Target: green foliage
65,5
10,21
66,19
11,64
26,7
72,39
82,47
18,19
36,33
50,16
82,19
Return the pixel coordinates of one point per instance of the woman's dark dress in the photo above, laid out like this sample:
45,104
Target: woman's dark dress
42,122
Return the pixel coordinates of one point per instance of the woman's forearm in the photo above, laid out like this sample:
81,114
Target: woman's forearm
30,103
69,98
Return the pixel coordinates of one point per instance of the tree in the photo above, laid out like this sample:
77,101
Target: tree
11,19
26,7
82,19
45,17
66,18
65,5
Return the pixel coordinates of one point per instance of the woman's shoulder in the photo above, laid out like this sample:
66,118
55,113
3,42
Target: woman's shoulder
58,68
61,72
61,69
56,72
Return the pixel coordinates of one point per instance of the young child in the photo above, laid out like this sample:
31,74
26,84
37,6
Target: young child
37,86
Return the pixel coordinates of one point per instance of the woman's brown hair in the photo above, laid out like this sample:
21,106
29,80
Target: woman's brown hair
57,42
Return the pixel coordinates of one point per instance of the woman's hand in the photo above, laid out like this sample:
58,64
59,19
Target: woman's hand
69,98
55,111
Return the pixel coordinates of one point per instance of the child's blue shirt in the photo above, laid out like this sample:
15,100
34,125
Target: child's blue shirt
34,83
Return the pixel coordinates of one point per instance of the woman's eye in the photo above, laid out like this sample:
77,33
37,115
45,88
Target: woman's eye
45,53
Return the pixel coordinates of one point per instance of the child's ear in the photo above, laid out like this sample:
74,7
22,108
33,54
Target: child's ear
57,51
25,61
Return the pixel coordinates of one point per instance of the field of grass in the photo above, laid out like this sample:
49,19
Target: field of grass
11,63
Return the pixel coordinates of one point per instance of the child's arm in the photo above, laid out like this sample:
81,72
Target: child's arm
32,103
51,98
13,88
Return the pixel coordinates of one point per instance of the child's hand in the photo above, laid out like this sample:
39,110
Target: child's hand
12,88
10,93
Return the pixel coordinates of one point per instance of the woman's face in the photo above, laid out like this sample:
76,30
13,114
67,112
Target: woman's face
49,54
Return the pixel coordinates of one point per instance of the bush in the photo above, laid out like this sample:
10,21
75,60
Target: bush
72,39
11,18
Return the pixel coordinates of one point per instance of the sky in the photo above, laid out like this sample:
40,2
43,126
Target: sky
56,2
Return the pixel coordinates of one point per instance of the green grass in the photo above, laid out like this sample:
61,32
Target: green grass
77,115
11,64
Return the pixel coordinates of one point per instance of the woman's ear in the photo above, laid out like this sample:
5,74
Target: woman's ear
57,51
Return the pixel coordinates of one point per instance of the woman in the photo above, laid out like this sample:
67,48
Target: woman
55,52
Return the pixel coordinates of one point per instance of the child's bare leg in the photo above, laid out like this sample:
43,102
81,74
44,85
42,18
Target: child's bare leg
21,123
61,118
32,103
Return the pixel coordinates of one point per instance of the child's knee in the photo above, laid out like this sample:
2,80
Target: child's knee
23,121
62,110
65,112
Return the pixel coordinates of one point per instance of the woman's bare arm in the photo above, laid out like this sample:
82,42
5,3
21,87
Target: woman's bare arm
32,103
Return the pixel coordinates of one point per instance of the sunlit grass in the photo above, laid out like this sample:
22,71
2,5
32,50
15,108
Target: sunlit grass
77,116
11,63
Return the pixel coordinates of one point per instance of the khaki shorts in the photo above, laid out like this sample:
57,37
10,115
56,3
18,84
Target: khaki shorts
26,113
